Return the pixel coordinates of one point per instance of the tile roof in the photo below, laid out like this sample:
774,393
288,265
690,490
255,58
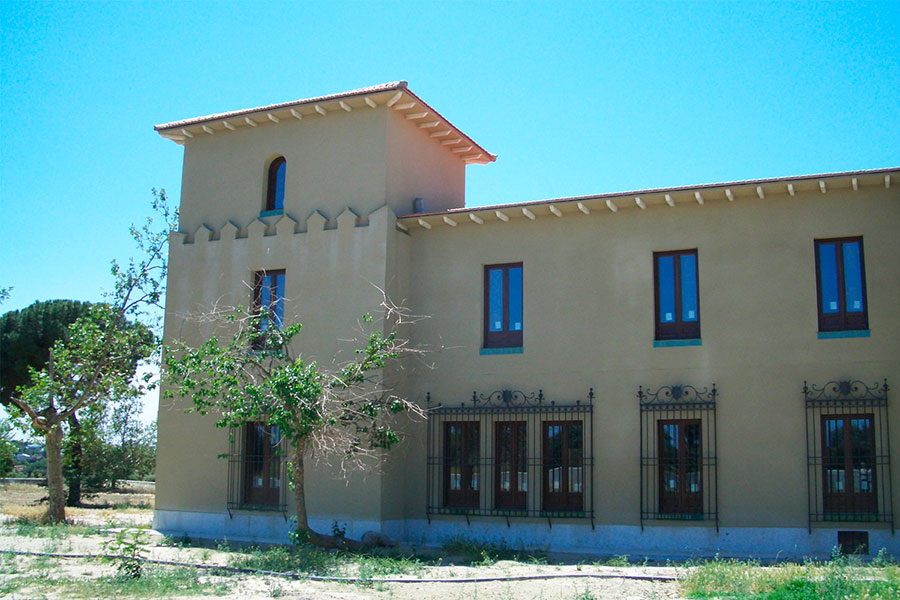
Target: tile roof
383,87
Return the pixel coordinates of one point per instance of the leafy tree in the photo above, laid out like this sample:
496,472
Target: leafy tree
7,448
115,445
26,337
347,411
94,361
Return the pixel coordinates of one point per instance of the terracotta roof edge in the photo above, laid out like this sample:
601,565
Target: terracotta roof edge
676,189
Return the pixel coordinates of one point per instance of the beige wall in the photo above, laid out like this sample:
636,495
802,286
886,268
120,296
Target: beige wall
329,285
420,167
588,301
332,162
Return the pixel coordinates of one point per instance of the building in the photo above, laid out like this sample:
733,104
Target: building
667,372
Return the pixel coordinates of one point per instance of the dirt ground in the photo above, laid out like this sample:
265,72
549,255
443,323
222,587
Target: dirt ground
134,507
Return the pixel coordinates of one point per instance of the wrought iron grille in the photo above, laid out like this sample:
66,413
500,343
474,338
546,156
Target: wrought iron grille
239,472
679,479
848,448
549,473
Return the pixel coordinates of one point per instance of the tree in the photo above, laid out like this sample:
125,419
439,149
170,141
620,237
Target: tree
115,445
347,411
26,337
7,448
94,362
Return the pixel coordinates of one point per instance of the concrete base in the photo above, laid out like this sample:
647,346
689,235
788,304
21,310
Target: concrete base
656,542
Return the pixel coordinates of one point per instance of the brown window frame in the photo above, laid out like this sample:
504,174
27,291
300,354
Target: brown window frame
466,496
848,501
517,451
842,320
272,185
260,341
679,329
269,461
683,501
564,500
505,338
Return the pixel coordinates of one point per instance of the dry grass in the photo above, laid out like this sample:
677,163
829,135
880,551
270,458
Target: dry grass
129,505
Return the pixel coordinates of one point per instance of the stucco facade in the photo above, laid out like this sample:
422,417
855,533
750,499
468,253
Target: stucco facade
588,331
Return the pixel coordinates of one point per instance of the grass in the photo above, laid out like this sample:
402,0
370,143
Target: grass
483,554
156,583
838,579
26,527
305,559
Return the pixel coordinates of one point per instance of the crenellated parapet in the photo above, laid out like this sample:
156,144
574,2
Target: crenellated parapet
284,226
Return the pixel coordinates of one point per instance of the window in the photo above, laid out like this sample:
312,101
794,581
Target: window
563,450
511,467
677,300
461,464
848,464
275,189
848,452
679,468
503,310
841,284
680,482
509,453
262,465
268,299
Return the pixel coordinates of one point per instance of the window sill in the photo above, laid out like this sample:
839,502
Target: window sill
487,351
272,213
850,333
673,343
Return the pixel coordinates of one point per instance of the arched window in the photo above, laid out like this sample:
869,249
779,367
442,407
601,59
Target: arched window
275,192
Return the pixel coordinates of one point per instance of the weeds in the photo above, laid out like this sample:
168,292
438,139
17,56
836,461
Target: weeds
585,595
156,583
484,554
309,560
841,577
130,549
27,527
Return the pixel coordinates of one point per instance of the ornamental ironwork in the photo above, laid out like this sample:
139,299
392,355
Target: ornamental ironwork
512,454
672,396
848,450
844,390
679,446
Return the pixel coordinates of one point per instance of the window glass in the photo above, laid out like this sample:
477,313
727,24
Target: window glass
861,454
692,456
853,277
666,289
829,277
265,301
670,458
278,200
515,299
689,310
554,458
495,300
278,305
574,448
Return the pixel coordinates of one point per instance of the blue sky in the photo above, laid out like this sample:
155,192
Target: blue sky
576,98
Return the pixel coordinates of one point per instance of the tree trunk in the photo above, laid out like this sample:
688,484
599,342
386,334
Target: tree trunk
56,512
303,530
74,468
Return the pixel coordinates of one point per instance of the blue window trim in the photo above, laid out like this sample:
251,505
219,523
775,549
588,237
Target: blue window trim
272,213
671,343
850,333
486,351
